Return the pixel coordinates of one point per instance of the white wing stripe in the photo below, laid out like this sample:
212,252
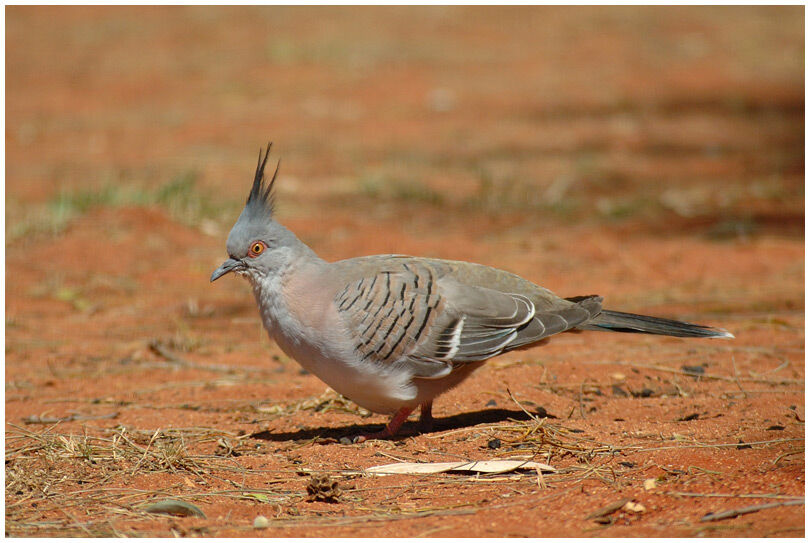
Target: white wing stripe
455,339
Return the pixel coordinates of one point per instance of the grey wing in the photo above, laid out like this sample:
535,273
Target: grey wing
494,322
409,313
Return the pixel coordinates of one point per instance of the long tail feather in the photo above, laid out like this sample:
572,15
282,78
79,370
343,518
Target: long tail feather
616,321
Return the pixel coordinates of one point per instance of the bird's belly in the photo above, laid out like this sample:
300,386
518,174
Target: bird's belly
367,386
315,337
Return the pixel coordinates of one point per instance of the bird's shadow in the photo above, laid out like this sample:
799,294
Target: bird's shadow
441,424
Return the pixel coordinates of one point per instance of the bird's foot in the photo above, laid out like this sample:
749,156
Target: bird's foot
390,429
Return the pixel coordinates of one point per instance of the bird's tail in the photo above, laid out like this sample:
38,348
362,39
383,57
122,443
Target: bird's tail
616,321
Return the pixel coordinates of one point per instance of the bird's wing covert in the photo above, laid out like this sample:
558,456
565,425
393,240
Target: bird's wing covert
408,312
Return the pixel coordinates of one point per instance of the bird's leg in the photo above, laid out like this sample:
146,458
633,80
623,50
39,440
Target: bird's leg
426,417
391,428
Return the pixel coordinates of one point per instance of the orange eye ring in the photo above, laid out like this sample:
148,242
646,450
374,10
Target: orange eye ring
257,248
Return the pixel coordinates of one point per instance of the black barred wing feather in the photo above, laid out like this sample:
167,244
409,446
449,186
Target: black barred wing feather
392,311
410,312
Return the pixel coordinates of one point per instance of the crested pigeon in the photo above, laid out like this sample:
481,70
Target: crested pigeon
392,332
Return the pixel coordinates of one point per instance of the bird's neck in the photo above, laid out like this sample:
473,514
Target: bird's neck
269,288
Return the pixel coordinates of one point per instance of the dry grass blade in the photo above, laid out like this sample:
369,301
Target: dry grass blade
731,513
484,466
157,347
36,419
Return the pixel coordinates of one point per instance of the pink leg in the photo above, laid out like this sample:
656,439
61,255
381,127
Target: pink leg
391,428
426,417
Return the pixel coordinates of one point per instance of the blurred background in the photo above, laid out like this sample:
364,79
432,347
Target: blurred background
652,155
662,119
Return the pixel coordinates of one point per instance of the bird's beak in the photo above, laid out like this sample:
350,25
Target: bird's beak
227,267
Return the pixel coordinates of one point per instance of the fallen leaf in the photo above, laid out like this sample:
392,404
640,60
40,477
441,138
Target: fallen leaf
175,507
607,510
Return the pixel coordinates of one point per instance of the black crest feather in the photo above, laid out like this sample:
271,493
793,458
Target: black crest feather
261,199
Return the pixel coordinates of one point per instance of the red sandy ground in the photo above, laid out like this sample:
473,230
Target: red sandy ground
675,137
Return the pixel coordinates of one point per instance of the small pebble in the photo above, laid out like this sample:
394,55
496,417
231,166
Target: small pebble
649,484
494,443
644,393
619,391
345,440
634,507
261,522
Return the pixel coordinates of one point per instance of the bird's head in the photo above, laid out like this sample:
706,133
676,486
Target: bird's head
258,246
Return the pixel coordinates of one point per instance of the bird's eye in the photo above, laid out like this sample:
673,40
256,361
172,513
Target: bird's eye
257,248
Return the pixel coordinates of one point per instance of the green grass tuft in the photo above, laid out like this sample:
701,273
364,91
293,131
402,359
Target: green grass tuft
180,197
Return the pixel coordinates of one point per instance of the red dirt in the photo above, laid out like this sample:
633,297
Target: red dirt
653,156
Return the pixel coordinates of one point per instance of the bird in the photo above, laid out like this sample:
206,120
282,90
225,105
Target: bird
393,332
